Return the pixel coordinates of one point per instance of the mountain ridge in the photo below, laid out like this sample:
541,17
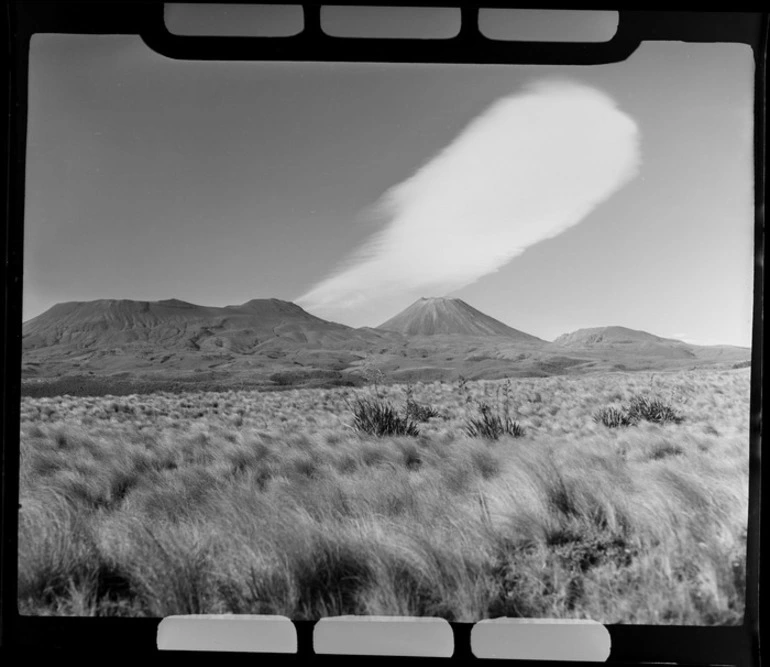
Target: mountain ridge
267,341
619,337
583,337
611,334
88,323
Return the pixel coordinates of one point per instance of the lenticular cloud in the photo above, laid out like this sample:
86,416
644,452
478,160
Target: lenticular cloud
528,168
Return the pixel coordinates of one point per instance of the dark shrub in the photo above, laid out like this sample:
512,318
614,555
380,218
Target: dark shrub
613,417
381,419
491,425
653,410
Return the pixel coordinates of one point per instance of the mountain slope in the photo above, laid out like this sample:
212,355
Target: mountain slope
109,346
605,336
174,324
624,341
445,316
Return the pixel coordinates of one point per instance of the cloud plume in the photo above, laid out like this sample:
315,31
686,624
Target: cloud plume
531,166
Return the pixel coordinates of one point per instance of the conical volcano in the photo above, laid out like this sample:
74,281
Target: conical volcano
446,316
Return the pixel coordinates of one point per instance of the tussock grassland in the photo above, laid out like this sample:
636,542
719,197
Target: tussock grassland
273,503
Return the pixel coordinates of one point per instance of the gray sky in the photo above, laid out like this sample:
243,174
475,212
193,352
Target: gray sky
150,178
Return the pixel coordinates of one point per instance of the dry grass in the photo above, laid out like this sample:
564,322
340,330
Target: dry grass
273,503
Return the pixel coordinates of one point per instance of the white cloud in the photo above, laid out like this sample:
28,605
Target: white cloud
528,168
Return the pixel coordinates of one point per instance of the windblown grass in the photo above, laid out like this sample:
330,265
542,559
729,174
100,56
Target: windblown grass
263,503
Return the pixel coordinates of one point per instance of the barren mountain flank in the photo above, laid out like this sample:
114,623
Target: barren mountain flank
125,346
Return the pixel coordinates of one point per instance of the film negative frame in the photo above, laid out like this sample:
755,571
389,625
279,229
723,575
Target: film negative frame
631,644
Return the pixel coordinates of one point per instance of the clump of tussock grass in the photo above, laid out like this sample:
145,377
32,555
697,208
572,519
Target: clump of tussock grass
640,408
486,463
653,409
56,548
492,425
304,466
330,577
411,456
381,419
347,464
661,450
537,580
62,566
613,417
174,568
372,456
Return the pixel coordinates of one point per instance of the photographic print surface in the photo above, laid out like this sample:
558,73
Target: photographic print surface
320,339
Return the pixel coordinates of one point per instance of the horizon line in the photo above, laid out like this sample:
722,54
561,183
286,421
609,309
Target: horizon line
445,298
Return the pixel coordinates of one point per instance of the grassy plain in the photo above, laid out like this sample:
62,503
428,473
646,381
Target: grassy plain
247,502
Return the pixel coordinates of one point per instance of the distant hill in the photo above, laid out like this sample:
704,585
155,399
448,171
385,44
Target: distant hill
609,336
641,343
445,316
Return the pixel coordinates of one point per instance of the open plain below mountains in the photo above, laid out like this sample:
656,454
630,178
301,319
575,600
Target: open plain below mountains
124,347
